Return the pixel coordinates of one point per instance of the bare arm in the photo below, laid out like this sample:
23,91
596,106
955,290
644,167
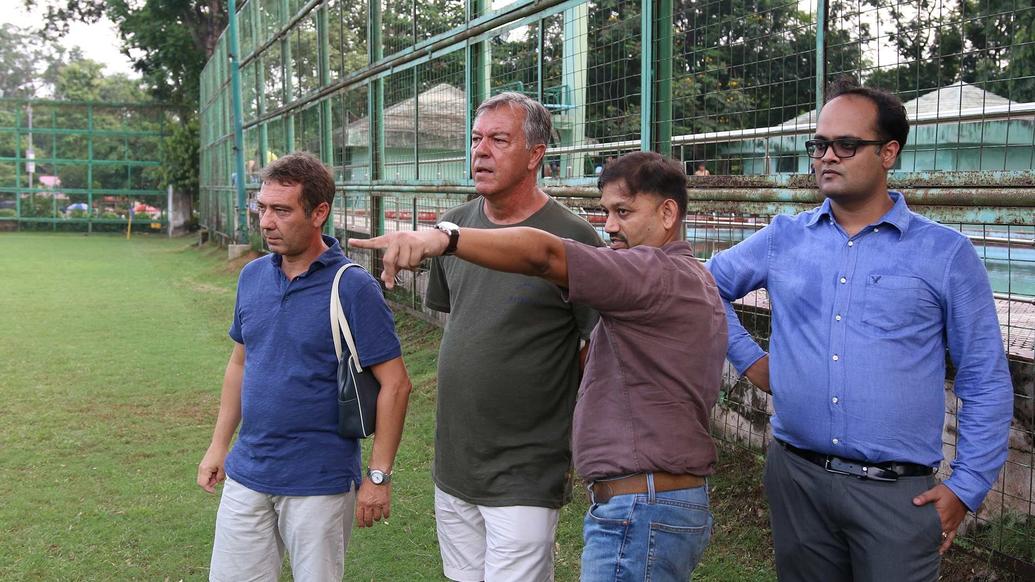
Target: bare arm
373,502
758,373
523,250
210,470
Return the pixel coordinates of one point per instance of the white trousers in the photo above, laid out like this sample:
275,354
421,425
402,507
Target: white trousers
494,544
253,529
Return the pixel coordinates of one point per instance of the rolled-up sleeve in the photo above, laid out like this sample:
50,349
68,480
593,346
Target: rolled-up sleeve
737,272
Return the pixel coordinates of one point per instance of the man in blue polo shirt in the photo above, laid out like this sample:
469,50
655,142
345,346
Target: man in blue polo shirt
866,296
290,479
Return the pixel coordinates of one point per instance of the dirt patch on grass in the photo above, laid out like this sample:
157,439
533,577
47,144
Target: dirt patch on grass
203,287
234,266
180,409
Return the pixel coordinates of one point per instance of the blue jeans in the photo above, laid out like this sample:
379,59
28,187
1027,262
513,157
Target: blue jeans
646,536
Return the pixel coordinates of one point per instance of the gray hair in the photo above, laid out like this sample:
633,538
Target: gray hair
537,125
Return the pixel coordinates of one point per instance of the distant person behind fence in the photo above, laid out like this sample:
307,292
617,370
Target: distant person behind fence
702,170
290,479
641,436
865,297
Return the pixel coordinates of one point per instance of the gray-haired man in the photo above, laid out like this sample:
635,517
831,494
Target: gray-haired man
508,367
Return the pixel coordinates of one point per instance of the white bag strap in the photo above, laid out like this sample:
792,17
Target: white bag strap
339,324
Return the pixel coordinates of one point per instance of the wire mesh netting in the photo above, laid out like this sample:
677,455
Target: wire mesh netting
385,91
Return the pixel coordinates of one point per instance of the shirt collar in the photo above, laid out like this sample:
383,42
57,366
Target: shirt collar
898,216
331,255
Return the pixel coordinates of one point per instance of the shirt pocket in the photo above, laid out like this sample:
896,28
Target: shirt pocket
891,301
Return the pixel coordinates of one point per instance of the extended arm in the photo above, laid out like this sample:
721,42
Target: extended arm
527,251
210,470
374,501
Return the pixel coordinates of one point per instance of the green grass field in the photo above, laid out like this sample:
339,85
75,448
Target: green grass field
112,357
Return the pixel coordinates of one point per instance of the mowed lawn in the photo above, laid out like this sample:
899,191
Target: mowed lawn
111,358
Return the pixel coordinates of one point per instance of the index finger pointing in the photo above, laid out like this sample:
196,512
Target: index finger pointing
377,242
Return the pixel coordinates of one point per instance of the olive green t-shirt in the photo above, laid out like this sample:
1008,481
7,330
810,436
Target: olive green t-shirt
508,372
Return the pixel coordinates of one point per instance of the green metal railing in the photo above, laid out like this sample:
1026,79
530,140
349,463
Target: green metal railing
384,90
81,166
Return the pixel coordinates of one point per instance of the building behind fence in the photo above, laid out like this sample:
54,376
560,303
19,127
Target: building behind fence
384,92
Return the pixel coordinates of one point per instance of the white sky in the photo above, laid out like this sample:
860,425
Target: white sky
99,42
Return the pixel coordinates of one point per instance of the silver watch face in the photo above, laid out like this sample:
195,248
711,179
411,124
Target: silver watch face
377,477
447,226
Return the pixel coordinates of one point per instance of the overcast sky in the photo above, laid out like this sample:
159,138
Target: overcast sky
98,41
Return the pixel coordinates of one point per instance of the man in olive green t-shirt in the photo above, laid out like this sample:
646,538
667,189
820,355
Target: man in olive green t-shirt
508,367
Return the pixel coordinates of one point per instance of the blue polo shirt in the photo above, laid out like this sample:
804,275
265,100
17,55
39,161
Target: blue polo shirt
288,442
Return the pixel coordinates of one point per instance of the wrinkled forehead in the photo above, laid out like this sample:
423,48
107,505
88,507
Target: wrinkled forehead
504,118
283,192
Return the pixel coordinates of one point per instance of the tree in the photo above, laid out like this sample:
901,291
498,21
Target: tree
27,63
169,41
181,152
990,43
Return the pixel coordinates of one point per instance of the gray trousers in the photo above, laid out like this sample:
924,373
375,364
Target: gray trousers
828,527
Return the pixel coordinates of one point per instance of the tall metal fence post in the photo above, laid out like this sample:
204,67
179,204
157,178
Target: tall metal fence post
821,54
663,94
234,51
287,62
326,117
646,74
375,102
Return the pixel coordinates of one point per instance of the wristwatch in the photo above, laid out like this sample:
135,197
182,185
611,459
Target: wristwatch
454,236
378,477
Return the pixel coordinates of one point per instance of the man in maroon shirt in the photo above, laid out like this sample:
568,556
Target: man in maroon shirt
640,436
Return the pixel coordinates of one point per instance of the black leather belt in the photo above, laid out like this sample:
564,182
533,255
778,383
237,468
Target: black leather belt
861,469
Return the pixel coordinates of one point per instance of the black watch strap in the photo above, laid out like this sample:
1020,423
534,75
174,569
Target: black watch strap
454,236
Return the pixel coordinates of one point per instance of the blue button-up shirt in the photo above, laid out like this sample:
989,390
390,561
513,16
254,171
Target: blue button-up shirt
859,330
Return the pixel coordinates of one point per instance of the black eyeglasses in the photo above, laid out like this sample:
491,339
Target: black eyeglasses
844,147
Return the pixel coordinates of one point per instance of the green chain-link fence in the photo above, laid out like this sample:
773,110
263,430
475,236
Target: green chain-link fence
383,90
82,166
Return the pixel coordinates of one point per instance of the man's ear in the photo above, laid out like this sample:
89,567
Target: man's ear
538,151
320,213
889,153
669,213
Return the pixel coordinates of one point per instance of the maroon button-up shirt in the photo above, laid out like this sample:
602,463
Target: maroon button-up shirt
655,360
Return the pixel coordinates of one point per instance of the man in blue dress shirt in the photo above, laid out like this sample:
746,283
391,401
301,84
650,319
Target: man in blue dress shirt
865,297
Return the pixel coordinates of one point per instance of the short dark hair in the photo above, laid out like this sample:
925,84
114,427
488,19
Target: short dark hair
892,122
650,173
306,169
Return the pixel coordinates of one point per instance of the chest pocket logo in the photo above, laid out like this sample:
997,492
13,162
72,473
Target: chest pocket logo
891,302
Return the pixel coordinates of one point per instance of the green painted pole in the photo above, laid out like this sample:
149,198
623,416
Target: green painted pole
89,171
375,113
663,120
260,95
53,156
646,75
234,52
821,54
326,115
287,62
18,167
